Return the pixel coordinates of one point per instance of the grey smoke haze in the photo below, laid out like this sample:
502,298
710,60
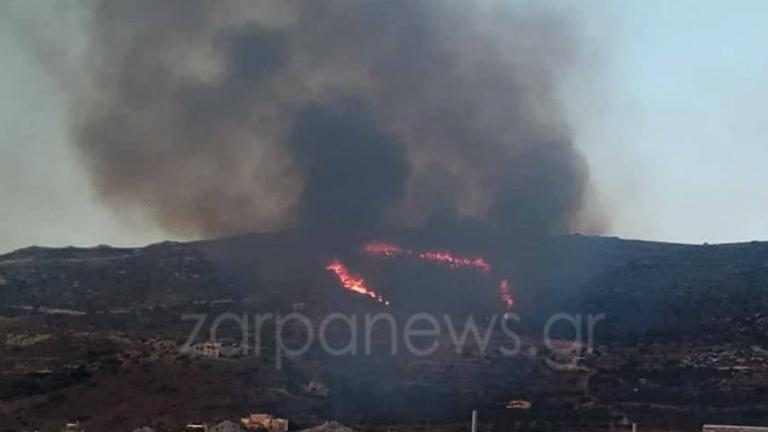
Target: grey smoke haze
234,116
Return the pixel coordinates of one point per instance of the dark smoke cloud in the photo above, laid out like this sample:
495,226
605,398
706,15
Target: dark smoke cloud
353,170
233,116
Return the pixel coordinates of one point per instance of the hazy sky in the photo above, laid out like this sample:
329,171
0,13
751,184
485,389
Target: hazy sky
675,129
680,145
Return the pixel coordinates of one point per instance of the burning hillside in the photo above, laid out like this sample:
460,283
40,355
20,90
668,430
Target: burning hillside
341,120
65,306
448,259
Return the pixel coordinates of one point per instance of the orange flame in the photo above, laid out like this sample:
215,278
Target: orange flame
353,283
389,250
386,249
506,293
456,261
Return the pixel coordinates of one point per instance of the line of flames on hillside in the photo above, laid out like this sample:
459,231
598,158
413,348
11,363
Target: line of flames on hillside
357,283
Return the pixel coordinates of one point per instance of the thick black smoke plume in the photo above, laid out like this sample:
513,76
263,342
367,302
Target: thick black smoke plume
228,116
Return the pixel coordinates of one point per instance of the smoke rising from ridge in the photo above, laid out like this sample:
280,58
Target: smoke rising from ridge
234,116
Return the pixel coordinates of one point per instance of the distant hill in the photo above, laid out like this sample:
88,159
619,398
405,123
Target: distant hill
640,285
96,333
